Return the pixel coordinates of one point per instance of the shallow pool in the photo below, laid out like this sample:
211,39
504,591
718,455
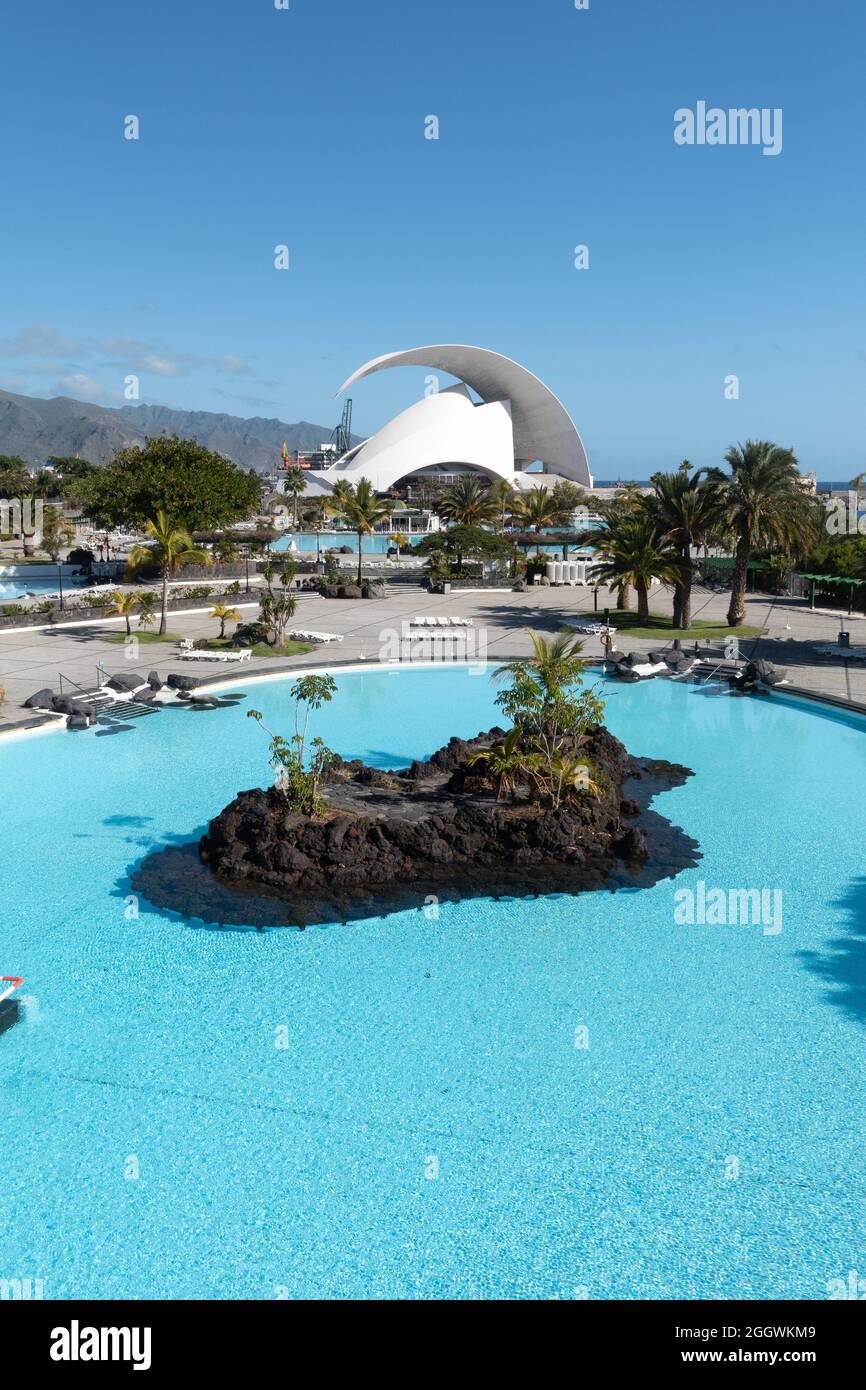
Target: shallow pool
14,586
548,1098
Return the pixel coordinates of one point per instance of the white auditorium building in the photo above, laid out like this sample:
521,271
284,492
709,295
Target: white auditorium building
497,420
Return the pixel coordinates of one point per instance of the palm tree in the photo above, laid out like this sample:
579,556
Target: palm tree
627,502
634,552
294,485
470,502
124,606
504,763
571,776
856,483
683,506
538,508
171,549
502,493
555,663
225,614
761,503
341,495
363,511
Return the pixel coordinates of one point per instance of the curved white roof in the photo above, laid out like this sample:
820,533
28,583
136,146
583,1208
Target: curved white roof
543,428
446,428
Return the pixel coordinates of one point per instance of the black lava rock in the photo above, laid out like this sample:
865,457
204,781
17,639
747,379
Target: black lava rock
43,699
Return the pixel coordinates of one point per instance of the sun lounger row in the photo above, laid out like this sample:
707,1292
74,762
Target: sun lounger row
441,621
593,629
242,654
308,635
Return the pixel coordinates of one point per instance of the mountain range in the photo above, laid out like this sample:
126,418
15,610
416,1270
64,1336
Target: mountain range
35,429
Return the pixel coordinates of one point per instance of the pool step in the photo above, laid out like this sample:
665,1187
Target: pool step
96,699
127,709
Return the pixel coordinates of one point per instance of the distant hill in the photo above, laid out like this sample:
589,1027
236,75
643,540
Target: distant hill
34,429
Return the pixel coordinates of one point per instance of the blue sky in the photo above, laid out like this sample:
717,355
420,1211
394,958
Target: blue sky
306,127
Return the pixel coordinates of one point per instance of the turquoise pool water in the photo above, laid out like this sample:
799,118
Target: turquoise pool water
157,1142
15,586
373,545
305,541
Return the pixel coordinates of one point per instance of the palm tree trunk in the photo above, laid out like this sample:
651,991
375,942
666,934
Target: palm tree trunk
360,556
623,596
678,604
162,617
642,602
737,606
683,591
686,602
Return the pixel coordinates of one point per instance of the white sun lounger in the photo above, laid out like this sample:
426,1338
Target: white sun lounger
242,654
593,629
441,620
307,635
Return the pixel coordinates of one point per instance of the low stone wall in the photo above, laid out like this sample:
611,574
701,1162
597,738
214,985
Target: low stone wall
77,615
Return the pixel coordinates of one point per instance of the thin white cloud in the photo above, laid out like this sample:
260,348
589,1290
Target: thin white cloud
125,354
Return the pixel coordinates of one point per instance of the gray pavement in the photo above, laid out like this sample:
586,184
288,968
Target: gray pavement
371,631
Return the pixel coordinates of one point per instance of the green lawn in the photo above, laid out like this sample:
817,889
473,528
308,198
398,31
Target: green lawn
660,626
141,635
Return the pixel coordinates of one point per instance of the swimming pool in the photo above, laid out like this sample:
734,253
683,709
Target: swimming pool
399,1108
305,542
15,586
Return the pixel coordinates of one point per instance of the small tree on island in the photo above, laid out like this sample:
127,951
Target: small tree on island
300,761
552,717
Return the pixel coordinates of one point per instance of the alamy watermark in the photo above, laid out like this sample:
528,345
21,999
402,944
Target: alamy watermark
739,125
21,517
843,516
729,907
447,644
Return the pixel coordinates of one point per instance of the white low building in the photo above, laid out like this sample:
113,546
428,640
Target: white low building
515,422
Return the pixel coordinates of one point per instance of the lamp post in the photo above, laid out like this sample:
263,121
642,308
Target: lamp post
247,567
60,579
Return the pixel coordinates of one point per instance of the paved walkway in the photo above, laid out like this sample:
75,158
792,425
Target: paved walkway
371,631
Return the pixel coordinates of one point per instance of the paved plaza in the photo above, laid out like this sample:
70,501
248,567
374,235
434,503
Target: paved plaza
371,631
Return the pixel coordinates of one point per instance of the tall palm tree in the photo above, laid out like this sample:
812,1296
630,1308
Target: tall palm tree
171,548
628,502
502,493
683,506
294,486
635,552
538,508
363,511
470,502
761,503
855,484
341,495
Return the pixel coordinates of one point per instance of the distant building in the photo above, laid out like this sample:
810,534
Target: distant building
515,422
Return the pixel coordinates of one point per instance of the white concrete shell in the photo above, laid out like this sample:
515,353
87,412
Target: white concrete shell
518,421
